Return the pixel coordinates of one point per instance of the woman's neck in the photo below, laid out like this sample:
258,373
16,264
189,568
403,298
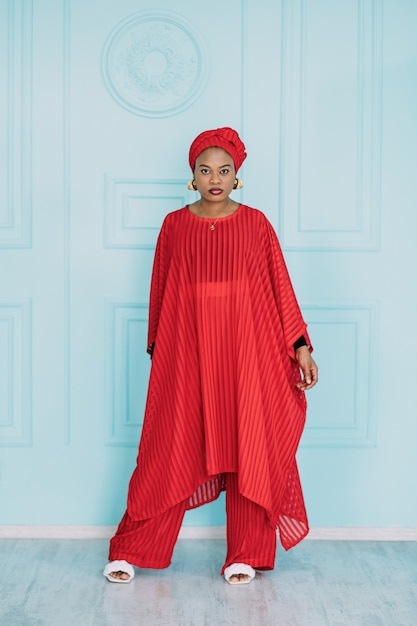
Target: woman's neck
216,209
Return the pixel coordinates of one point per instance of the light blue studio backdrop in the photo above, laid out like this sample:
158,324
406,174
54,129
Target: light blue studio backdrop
99,103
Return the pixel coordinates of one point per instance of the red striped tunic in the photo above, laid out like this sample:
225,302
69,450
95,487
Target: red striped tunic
222,391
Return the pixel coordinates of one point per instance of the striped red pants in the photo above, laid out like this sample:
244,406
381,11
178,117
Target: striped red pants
150,543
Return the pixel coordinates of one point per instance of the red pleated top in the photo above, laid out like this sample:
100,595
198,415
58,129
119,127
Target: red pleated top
222,391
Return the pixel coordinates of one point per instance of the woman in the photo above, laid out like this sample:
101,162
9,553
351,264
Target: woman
226,406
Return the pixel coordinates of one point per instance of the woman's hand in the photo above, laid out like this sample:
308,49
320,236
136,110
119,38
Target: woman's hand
308,368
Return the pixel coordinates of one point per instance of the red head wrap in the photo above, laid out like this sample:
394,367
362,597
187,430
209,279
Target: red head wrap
225,138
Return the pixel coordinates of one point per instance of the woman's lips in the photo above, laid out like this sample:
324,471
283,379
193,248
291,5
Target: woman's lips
215,191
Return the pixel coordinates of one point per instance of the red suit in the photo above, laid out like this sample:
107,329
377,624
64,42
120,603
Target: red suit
222,392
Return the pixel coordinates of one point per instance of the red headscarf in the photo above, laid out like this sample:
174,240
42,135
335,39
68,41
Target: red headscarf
225,138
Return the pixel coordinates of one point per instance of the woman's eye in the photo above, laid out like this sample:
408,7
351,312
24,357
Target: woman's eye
204,171
224,171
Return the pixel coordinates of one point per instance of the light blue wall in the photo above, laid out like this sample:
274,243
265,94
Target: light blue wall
93,154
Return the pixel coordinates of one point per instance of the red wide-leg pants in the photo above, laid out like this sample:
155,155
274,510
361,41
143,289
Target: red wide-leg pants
150,543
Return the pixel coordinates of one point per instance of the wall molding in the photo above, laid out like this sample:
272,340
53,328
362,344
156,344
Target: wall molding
16,37
126,335
16,358
66,200
350,217
351,418
154,64
127,203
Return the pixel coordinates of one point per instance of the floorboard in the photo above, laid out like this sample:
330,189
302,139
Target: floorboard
318,583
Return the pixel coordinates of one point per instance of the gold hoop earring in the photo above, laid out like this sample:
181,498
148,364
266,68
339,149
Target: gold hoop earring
238,183
192,185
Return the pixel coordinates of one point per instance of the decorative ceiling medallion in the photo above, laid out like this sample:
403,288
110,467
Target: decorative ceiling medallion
153,65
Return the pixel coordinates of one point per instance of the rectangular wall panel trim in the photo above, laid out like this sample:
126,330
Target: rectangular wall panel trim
331,126
342,409
126,336
136,208
15,373
16,26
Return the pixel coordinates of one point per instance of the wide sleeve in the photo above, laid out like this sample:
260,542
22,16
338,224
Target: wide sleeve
292,320
158,281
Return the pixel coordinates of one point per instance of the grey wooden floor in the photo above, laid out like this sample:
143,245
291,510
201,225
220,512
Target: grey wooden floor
318,583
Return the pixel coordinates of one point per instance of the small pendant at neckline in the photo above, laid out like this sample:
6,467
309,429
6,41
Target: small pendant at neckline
212,226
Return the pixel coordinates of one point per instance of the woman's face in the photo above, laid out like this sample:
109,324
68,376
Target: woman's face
214,174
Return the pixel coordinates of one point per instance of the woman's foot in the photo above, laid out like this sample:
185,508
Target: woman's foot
120,575
119,572
239,578
239,574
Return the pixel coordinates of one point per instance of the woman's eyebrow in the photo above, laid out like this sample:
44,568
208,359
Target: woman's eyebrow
221,166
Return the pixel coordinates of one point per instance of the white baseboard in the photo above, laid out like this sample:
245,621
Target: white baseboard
390,533
56,532
206,532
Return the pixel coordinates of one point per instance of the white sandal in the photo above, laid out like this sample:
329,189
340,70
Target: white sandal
119,566
236,569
